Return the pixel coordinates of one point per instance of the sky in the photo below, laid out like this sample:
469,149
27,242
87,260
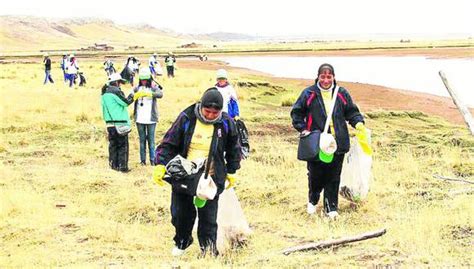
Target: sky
269,18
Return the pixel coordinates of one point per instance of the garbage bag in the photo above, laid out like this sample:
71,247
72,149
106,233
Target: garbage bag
233,229
356,173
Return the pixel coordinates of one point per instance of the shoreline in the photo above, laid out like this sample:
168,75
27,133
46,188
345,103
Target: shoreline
368,97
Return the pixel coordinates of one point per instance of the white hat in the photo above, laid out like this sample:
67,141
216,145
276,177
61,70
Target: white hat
45,54
115,77
144,73
221,73
71,55
154,54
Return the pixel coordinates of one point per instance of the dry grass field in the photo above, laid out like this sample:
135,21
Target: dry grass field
60,204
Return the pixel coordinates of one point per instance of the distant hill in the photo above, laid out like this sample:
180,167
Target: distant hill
27,33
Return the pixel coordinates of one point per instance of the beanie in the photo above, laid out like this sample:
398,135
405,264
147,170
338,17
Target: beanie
212,98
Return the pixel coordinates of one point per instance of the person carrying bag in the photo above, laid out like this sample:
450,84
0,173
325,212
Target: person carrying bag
115,114
201,131
310,117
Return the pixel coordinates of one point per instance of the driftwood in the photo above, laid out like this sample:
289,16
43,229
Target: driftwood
462,108
334,242
453,179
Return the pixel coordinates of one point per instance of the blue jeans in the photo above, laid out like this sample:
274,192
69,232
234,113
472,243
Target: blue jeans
146,132
47,76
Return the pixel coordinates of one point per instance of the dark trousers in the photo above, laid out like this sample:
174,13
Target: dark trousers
170,71
146,133
327,177
183,215
118,150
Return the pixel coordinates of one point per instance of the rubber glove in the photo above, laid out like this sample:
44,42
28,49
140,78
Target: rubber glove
141,94
159,174
363,138
231,181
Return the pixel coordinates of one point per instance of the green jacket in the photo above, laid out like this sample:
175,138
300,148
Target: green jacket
114,106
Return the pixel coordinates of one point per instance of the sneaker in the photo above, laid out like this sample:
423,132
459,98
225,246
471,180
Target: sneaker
143,163
332,215
311,209
176,252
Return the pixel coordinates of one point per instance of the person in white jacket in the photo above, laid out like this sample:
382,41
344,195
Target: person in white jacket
231,104
154,65
71,69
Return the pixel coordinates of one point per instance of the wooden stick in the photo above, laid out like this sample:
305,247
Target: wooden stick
453,179
329,243
462,108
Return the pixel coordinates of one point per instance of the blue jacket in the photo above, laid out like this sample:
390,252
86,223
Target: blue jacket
308,113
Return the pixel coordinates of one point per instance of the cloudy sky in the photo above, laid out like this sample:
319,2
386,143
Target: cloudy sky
296,17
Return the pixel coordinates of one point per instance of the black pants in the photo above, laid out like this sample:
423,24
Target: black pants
327,177
170,71
118,150
183,215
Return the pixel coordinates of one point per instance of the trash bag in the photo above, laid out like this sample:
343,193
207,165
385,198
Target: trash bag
356,173
233,229
82,79
243,138
127,74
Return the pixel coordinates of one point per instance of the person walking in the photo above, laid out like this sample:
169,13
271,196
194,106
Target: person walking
109,67
115,114
231,104
63,65
154,65
47,69
309,113
72,69
201,131
145,113
170,62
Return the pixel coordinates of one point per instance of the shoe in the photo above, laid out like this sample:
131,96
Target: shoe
143,163
311,209
176,252
332,215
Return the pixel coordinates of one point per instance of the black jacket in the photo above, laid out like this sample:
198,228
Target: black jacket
309,110
226,148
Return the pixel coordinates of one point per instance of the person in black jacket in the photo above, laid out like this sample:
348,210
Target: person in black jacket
309,113
199,130
47,69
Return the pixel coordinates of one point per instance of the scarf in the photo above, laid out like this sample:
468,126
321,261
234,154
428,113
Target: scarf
201,118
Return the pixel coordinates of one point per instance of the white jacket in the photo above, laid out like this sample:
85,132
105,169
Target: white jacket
72,67
228,93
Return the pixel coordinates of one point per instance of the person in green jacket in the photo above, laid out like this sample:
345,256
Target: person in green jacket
115,113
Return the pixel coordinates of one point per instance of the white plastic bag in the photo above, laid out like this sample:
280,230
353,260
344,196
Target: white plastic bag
206,188
233,229
356,173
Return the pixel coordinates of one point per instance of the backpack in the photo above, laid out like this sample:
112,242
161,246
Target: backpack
243,138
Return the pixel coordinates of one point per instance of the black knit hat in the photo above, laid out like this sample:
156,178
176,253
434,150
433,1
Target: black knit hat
212,98
326,66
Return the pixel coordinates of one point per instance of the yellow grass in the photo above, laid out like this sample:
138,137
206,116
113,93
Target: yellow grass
53,151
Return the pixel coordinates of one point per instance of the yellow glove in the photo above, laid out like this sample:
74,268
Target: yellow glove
141,94
236,118
363,138
159,174
231,179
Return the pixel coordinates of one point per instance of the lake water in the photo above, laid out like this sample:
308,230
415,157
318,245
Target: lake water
418,74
